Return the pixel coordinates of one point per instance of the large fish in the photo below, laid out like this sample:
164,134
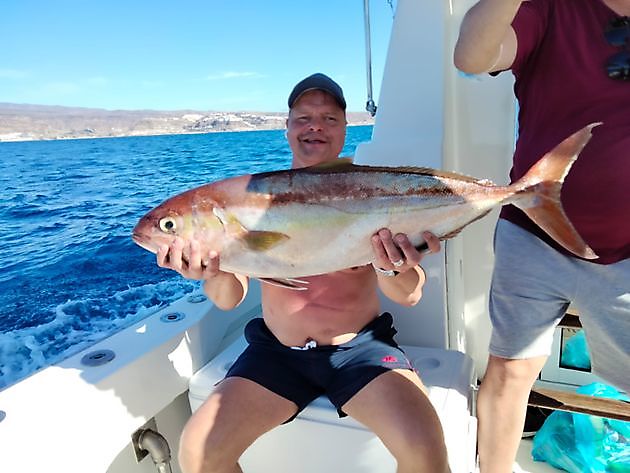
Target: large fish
302,222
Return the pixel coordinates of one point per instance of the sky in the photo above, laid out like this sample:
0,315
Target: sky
222,55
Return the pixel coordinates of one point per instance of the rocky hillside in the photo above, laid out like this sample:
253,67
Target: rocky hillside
20,122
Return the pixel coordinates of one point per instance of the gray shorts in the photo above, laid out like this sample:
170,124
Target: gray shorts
532,287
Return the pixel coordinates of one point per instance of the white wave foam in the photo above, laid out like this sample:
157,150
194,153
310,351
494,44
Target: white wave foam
79,324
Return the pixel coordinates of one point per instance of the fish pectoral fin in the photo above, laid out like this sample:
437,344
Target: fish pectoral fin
260,240
231,224
256,240
295,284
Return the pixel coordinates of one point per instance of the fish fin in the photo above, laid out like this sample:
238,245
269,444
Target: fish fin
544,184
260,240
455,232
435,173
295,284
346,164
231,224
257,240
340,162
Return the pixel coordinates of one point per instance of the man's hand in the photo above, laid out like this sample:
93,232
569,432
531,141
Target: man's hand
196,267
226,290
397,253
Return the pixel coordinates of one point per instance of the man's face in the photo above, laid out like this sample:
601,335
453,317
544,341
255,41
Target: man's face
316,129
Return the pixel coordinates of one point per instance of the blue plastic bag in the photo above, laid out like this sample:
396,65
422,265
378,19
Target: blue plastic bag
575,352
580,443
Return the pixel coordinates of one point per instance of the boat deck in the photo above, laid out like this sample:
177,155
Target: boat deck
525,463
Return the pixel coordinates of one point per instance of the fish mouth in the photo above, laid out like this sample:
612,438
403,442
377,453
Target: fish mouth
142,240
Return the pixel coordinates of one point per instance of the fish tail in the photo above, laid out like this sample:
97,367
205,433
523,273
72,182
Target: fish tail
538,193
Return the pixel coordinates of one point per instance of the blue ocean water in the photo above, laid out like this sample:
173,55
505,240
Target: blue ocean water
70,274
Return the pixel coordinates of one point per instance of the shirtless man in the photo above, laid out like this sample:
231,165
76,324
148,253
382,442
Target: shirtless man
328,339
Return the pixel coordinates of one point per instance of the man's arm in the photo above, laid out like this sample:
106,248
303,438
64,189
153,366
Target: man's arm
225,290
404,288
486,40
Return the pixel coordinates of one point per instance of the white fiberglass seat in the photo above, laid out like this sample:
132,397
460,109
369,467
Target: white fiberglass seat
319,441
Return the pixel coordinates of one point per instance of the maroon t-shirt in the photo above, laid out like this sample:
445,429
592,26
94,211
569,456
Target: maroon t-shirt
562,85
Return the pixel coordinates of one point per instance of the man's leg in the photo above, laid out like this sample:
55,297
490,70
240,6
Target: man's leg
395,407
230,420
501,407
532,285
603,302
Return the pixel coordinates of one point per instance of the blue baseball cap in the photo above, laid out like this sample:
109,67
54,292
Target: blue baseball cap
318,81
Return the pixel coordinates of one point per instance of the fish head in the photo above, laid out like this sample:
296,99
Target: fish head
185,216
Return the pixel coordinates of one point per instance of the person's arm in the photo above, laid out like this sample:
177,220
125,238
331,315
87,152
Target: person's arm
487,42
225,290
405,287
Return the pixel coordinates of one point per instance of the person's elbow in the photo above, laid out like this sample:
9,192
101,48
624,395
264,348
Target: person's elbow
227,296
226,305
412,299
231,300
467,63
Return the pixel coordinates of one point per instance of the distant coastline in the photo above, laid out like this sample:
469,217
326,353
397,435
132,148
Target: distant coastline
24,122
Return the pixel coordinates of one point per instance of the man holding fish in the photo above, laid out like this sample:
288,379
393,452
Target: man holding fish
328,339
323,236
571,62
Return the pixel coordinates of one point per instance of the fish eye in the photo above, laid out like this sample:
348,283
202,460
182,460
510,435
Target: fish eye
167,225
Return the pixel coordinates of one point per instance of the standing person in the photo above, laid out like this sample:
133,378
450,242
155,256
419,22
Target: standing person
571,61
333,328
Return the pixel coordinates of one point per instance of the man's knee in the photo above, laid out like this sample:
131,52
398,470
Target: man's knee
503,371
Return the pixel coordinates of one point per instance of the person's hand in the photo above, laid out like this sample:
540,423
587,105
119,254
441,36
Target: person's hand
198,266
395,252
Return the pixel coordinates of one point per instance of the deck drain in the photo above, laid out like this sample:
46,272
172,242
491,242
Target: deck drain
172,317
98,357
197,298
